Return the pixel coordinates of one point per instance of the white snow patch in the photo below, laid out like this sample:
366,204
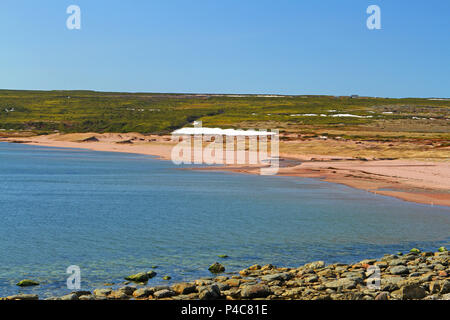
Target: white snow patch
221,132
344,115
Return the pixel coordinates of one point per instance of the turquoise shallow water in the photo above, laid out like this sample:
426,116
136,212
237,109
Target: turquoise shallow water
115,214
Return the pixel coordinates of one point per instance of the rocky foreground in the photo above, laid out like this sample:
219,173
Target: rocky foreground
415,275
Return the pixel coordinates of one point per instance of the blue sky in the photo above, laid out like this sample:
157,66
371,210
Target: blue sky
232,46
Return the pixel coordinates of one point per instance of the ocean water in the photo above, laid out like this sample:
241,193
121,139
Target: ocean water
114,214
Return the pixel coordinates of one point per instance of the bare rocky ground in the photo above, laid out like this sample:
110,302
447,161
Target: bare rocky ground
415,275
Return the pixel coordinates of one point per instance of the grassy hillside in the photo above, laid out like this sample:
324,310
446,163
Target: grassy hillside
84,111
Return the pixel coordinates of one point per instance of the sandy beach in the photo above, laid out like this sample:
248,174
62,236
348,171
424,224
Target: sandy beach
426,182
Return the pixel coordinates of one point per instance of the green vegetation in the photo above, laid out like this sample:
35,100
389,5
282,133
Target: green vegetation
89,111
27,283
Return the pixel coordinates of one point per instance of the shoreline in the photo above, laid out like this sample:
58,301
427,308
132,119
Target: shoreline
415,275
423,182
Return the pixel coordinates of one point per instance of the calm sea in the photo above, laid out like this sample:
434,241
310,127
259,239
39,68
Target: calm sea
114,214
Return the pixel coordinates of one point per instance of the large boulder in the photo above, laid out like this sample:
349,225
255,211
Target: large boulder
445,286
391,283
399,270
209,293
216,268
102,292
410,291
165,293
128,290
255,291
119,295
233,282
143,292
184,288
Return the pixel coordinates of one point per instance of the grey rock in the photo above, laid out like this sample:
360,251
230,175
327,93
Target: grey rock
392,283
70,296
382,296
311,279
445,286
343,283
276,276
432,297
354,275
439,267
222,286
163,294
119,295
397,262
82,293
410,291
315,265
128,290
209,293
143,292
255,291
340,269
415,274
102,292
221,278
388,257
159,288
368,261
398,270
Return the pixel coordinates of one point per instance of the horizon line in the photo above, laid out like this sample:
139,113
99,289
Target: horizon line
262,95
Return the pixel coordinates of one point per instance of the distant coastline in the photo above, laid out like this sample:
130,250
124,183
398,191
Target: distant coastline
425,182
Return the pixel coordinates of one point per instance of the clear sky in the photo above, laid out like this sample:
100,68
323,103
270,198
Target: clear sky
228,46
